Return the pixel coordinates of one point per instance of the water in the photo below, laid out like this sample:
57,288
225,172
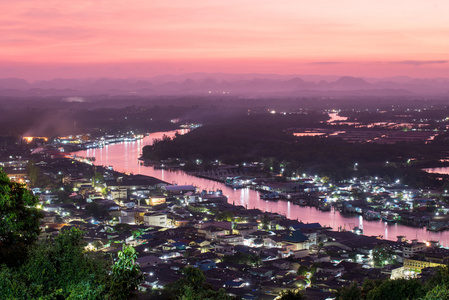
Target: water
124,158
442,170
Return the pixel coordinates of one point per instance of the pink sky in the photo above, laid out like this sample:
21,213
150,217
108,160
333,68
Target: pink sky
53,38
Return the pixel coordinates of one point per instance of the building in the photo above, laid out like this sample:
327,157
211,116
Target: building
156,200
178,189
419,264
155,219
409,250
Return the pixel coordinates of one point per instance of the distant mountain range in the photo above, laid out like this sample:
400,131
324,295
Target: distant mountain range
247,85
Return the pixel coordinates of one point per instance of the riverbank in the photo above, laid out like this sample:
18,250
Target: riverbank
311,192
124,157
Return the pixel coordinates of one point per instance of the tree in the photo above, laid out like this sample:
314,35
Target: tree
302,271
64,191
351,292
126,275
105,191
97,179
325,179
96,211
58,269
242,258
291,295
122,228
224,216
69,269
369,285
438,292
397,289
265,221
441,278
193,287
381,256
33,172
19,221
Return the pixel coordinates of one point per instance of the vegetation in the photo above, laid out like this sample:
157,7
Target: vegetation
126,274
291,295
381,256
19,221
62,269
192,286
265,138
351,292
242,258
58,269
435,288
95,210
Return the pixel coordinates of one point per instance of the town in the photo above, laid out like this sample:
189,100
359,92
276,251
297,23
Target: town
224,150
251,254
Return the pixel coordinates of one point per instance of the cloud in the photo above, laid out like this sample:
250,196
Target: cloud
326,63
419,62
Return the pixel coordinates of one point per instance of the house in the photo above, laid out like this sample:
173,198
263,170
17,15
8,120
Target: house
48,198
206,264
123,186
180,222
212,233
232,239
119,193
234,284
245,228
261,272
273,241
296,238
202,242
224,249
410,249
155,219
178,189
149,260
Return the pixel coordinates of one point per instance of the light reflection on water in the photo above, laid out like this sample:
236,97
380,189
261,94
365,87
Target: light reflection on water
443,170
124,158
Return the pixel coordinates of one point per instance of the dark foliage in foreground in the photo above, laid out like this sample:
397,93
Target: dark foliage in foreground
399,289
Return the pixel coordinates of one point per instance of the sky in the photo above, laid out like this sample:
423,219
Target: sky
145,38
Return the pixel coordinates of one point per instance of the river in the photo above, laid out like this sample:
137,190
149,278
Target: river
123,157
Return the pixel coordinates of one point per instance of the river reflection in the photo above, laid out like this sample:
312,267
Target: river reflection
123,157
442,170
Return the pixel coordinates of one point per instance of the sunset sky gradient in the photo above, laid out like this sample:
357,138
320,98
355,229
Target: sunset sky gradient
143,38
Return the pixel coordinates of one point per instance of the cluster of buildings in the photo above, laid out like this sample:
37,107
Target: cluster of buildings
251,254
373,198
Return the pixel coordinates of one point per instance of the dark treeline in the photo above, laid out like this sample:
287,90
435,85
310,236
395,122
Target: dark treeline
77,118
265,138
42,115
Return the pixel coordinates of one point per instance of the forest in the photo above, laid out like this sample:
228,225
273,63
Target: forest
266,138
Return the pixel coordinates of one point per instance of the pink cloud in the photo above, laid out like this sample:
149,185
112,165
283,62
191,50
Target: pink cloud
241,36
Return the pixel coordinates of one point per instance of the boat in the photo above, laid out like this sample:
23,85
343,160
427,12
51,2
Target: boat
436,226
272,196
389,218
371,215
324,207
357,230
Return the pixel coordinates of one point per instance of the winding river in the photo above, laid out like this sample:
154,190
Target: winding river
123,157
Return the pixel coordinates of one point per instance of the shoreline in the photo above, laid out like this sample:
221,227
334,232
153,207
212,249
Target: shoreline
309,203
247,197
